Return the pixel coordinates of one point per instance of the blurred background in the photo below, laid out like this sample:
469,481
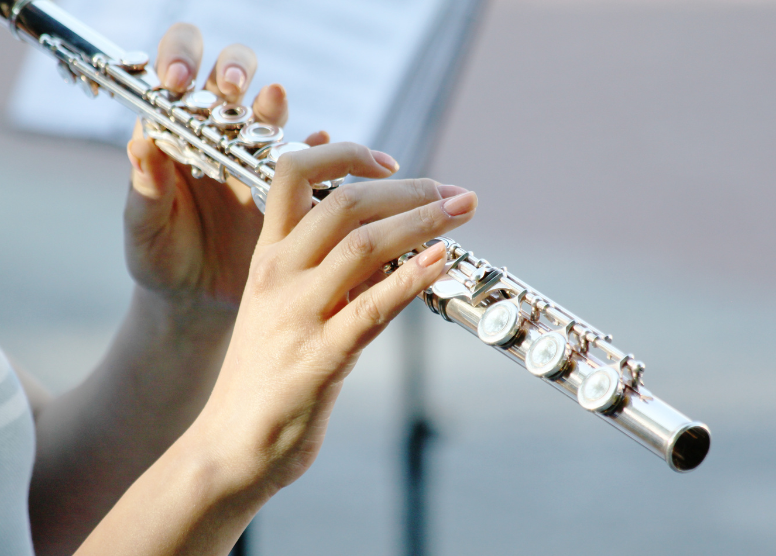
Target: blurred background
623,153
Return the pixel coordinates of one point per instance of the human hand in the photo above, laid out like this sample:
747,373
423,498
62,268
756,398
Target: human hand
190,240
315,297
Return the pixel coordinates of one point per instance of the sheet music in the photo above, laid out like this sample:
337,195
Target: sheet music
341,61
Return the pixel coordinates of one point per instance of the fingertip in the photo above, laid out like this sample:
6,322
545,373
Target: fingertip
154,171
178,76
432,255
447,191
386,161
137,131
461,205
271,104
318,138
277,93
180,52
233,80
133,158
142,150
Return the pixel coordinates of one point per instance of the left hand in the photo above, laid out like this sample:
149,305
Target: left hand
190,241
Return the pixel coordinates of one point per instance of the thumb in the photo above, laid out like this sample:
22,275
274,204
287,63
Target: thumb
153,187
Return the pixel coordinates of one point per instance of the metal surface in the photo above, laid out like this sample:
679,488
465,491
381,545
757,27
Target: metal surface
466,290
601,390
208,145
547,355
470,286
499,324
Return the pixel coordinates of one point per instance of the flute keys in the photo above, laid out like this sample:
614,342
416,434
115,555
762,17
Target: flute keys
201,102
499,323
231,116
547,356
134,61
601,390
276,151
260,135
89,87
66,73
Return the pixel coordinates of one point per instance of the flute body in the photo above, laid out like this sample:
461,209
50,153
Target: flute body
221,140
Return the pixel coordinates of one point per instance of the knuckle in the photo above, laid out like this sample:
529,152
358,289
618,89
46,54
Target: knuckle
359,243
367,310
262,274
356,151
405,281
428,219
424,190
343,199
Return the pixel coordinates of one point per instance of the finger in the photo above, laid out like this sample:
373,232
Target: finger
290,196
318,138
361,321
180,53
367,248
271,105
353,205
232,73
376,278
152,194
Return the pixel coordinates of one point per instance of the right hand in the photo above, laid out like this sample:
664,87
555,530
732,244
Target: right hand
315,297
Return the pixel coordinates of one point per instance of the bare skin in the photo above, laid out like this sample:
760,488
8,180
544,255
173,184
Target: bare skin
188,247
217,390
312,295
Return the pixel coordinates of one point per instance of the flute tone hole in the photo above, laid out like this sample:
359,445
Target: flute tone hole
690,448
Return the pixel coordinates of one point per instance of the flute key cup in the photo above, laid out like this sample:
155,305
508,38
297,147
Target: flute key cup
547,357
201,102
601,390
499,324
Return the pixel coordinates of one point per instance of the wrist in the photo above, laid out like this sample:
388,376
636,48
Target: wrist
236,471
182,315
171,354
187,502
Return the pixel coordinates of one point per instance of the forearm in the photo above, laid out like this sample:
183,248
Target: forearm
191,501
94,441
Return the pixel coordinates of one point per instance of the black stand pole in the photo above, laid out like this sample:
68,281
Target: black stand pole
416,538
418,432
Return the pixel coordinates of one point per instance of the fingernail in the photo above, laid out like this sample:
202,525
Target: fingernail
178,76
134,160
277,91
235,76
431,255
447,191
461,204
386,161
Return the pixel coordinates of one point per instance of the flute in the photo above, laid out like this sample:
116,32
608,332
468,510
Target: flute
220,140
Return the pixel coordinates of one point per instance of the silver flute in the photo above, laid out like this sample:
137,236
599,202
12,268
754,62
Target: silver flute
218,140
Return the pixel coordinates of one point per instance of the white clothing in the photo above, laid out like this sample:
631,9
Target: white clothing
17,455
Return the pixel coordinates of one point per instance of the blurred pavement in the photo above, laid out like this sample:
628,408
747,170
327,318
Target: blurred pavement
623,153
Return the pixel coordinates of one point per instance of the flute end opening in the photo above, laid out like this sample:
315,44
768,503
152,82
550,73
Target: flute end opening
690,447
